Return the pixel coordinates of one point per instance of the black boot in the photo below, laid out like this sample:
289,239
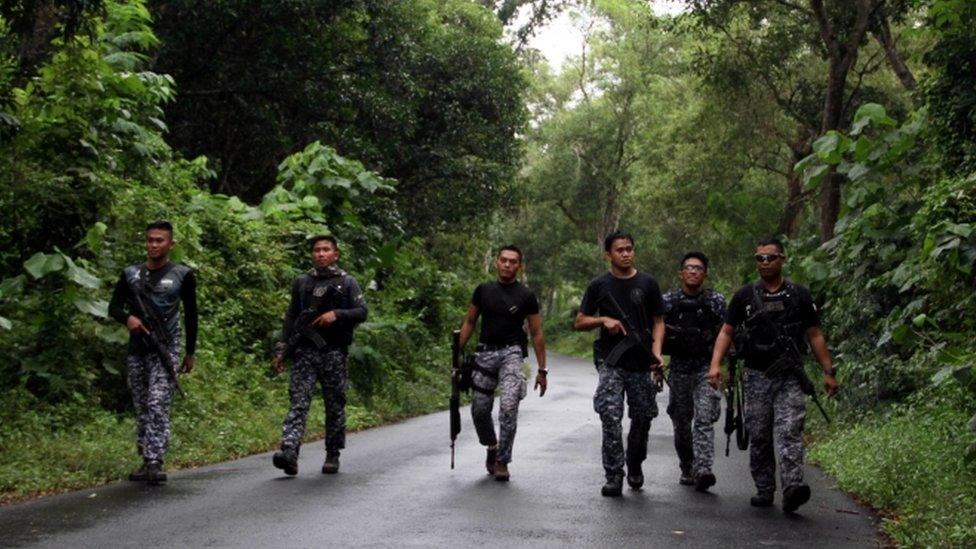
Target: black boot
490,459
286,459
613,488
704,480
154,473
686,479
635,476
795,496
139,475
762,499
331,465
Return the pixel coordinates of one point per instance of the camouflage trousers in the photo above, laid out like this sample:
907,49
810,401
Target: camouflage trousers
694,406
507,363
775,410
608,401
152,394
327,367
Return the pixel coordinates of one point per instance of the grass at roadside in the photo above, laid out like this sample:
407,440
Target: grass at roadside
229,412
909,463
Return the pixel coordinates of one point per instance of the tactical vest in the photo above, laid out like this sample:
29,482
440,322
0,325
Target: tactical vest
754,338
690,326
165,295
327,292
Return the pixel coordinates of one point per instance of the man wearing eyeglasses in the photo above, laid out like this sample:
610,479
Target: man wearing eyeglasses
693,317
760,316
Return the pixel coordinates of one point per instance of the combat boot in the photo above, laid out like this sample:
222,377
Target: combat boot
762,499
613,488
501,471
795,496
490,459
154,473
635,476
286,459
686,479
704,480
139,475
331,465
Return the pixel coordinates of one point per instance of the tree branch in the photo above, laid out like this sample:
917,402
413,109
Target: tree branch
898,66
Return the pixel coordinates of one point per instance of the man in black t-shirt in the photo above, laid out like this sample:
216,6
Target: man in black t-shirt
763,317
627,307
160,285
504,306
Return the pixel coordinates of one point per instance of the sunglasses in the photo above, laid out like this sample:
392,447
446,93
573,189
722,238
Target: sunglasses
693,268
768,258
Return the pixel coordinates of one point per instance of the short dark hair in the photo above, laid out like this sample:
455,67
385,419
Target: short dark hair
511,248
161,225
696,255
312,241
771,241
616,235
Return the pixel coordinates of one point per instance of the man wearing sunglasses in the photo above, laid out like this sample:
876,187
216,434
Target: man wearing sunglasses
765,317
693,316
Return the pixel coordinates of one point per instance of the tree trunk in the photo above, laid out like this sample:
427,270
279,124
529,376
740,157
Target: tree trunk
897,64
833,112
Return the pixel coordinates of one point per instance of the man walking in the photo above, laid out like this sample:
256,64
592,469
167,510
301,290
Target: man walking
147,300
693,316
627,307
504,305
772,320
326,305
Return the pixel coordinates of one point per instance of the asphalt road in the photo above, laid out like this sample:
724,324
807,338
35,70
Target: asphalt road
395,488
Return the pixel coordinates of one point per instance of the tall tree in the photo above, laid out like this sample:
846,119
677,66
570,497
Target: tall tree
838,31
421,91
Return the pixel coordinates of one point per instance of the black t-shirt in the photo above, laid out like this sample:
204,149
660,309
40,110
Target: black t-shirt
791,308
640,298
503,309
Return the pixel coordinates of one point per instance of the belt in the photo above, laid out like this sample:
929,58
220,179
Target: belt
487,347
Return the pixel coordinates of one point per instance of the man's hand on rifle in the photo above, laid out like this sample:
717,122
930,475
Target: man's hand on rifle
614,326
541,383
830,385
188,363
715,376
278,365
325,319
657,373
135,325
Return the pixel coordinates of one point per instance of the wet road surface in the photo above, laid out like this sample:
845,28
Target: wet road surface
395,488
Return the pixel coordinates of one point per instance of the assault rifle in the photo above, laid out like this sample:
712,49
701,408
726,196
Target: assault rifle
631,340
303,328
158,336
733,411
455,403
790,361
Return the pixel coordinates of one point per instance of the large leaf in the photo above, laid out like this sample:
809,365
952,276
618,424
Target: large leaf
95,236
42,264
81,276
870,113
5,323
94,307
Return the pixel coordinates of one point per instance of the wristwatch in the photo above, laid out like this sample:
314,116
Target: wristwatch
543,371
832,372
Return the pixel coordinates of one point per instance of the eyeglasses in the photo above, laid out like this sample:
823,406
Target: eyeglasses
768,258
693,268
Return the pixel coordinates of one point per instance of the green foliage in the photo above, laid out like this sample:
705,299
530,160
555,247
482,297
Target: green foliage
911,243
906,461
422,91
89,168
